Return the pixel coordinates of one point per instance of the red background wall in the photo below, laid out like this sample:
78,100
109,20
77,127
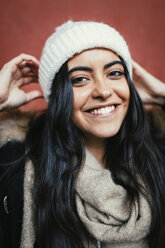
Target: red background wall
25,24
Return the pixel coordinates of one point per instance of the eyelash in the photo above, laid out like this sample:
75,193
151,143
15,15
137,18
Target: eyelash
116,74
78,80
113,74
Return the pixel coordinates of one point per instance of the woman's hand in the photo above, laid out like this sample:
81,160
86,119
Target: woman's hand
20,71
150,89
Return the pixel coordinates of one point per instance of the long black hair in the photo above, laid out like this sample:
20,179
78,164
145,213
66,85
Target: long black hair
56,148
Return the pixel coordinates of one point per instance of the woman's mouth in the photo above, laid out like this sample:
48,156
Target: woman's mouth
103,110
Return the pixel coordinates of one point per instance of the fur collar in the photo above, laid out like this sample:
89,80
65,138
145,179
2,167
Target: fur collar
14,125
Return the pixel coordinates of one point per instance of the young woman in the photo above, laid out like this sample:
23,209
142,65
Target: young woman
94,171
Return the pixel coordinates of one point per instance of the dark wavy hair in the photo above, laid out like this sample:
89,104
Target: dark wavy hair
56,148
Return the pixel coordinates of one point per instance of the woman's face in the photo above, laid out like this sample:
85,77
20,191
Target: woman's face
101,92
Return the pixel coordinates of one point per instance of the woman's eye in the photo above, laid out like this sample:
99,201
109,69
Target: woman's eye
115,74
79,80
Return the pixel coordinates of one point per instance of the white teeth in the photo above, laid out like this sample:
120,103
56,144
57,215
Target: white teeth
112,108
102,111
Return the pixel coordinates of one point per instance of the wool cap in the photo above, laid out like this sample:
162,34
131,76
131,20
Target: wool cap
72,38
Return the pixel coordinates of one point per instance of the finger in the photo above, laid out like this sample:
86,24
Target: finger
28,63
18,77
135,65
12,64
35,94
26,80
25,72
24,57
27,68
29,71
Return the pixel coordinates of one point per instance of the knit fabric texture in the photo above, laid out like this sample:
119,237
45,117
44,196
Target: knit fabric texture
72,38
104,208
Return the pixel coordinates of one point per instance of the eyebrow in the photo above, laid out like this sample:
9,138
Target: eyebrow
80,68
113,63
85,68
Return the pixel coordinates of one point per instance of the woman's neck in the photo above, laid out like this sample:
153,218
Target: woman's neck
97,148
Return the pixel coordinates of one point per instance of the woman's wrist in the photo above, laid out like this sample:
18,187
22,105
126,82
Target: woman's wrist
151,89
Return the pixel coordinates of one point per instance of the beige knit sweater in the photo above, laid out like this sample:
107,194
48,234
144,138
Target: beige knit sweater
102,206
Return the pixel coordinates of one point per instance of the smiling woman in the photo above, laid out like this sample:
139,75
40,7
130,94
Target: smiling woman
94,171
101,94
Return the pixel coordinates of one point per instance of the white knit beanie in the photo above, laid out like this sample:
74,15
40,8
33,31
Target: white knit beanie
74,37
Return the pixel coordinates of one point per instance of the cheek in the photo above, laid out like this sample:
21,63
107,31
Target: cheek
126,98
76,100
123,91
126,94
78,103
80,97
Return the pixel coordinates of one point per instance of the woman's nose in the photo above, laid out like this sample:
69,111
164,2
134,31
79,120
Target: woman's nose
102,90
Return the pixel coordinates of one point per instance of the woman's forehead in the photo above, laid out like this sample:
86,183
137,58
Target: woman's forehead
92,56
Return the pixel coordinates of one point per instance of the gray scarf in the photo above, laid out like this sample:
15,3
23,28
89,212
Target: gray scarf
105,209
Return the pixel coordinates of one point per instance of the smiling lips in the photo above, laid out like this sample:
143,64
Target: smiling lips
103,110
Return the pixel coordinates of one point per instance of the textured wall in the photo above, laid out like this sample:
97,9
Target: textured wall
24,26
